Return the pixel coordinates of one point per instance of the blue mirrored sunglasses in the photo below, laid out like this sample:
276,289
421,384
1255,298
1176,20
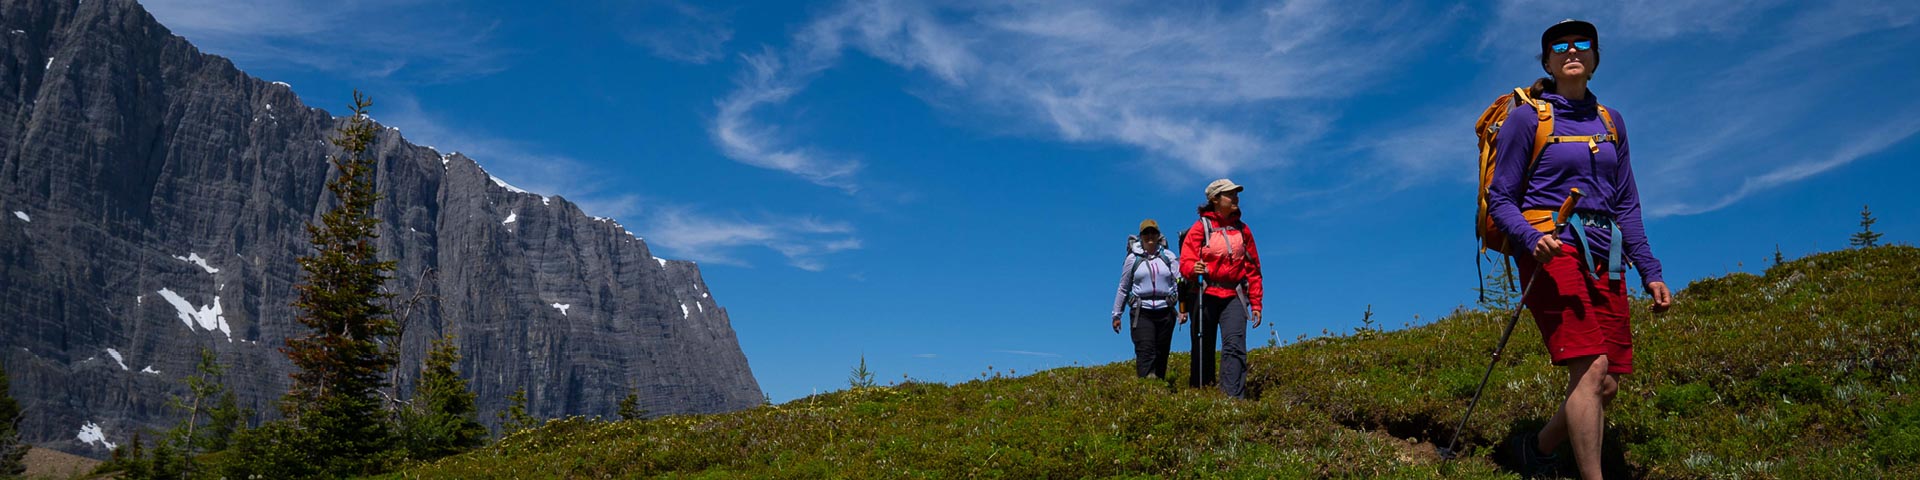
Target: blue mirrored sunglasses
1576,46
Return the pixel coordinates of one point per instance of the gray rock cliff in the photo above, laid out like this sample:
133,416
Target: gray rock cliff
153,200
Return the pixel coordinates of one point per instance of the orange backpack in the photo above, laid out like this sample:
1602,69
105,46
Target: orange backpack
1488,128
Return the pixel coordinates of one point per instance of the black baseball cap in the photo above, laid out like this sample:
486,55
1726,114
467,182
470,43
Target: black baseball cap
1568,27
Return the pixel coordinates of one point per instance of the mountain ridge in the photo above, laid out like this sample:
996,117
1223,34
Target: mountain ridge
161,194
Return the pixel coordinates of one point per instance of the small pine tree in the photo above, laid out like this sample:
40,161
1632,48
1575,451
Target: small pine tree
441,420
515,417
134,461
630,406
861,377
1867,237
1366,329
166,461
1777,257
339,364
136,458
13,452
277,449
225,420
174,454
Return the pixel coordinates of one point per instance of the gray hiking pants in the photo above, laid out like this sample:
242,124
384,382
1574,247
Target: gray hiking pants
1225,319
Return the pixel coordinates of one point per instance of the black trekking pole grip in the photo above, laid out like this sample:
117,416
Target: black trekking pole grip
1566,210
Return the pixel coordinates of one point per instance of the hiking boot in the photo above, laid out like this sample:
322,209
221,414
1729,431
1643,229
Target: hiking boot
1524,451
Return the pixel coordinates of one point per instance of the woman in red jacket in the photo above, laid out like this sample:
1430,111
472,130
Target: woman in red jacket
1223,256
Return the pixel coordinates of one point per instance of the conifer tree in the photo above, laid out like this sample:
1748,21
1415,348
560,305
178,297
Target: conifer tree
630,406
209,399
441,421
861,377
1867,237
339,364
515,417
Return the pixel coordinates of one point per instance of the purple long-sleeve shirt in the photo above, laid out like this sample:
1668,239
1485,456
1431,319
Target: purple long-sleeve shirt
1605,177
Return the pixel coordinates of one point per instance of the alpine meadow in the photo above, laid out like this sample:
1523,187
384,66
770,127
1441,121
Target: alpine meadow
932,239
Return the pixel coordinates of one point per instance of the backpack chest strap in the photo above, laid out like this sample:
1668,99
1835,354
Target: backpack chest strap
1593,141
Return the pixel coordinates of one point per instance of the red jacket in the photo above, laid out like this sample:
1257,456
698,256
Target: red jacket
1230,255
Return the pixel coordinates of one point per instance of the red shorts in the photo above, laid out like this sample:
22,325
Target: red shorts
1580,316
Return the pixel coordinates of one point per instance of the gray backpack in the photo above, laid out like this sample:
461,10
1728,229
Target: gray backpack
1135,254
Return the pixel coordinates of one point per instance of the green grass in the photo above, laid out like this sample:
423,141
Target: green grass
1805,372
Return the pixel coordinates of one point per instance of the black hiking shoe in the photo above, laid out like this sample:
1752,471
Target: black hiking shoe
1524,452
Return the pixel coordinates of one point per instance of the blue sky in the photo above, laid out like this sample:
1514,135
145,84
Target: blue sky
946,187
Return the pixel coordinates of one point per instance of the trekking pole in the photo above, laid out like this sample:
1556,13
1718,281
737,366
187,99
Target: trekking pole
1566,209
1177,305
1199,315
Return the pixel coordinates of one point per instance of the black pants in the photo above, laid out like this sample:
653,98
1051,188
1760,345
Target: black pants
1152,339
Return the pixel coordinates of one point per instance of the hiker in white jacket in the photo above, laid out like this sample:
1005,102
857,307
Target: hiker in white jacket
1149,286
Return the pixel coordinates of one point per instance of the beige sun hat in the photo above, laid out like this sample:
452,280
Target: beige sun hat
1222,186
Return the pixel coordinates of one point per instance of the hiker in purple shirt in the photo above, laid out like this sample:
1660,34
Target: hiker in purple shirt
1581,306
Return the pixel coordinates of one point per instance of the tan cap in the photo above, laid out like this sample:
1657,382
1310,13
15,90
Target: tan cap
1149,223
1222,186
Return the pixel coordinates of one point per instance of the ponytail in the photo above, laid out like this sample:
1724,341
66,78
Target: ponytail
1543,85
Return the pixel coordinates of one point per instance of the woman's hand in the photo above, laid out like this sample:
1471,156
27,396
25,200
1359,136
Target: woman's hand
1182,316
1199,267
1116,324
1256,319
1547,248
1662,298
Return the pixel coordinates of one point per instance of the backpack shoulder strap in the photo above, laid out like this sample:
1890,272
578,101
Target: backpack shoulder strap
1607,118
1542,133
1133,261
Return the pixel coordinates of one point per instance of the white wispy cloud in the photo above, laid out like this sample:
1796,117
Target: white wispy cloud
679,31
704,234
421,40
1634,20
1868,144
710,237
1754,119
1724,99
1216,90
769,81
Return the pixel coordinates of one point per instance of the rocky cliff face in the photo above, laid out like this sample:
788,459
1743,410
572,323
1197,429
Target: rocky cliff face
153,201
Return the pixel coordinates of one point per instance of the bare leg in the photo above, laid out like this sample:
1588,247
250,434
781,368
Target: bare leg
1580,420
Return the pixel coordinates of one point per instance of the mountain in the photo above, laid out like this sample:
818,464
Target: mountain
1806,372
153,200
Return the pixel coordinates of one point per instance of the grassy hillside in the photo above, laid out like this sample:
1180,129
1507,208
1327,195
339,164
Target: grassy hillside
1806,372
